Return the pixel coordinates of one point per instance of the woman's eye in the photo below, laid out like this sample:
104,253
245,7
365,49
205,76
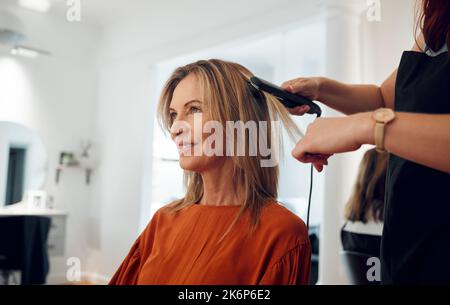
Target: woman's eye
195,109
172,116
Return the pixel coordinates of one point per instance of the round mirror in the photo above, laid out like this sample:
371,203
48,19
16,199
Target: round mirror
23,162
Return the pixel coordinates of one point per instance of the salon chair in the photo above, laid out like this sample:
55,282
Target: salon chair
355,265
23,247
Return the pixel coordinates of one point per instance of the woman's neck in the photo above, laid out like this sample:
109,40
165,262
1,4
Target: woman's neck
218,187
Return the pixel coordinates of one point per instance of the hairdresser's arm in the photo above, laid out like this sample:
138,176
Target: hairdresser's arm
342,97
346,98
350,99
421,138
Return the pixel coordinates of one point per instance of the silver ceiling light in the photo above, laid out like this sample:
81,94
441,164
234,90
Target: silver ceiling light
12,35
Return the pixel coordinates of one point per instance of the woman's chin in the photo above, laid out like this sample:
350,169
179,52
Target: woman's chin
199,164
191,163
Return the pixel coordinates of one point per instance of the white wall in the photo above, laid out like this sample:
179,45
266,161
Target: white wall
382,43
55,97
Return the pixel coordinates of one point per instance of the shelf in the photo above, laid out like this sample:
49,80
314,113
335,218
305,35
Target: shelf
87,169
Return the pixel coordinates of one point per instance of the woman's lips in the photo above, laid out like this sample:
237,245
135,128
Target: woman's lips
186,147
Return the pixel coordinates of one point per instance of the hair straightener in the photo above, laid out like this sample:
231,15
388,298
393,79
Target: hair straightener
289,100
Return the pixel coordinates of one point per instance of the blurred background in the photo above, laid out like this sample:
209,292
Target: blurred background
79,82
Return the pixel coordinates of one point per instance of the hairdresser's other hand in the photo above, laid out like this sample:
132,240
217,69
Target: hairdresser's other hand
307,87
327,136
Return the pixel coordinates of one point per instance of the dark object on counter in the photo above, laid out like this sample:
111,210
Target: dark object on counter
23,247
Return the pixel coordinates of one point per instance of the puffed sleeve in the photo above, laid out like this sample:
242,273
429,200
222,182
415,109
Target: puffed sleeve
128,271
292,269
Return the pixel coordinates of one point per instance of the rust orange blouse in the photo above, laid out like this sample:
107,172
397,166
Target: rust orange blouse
182,249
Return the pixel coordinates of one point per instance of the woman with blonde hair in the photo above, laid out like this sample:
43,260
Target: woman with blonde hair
229,228
363,228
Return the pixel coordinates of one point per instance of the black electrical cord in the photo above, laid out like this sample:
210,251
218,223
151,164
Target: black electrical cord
310,195
310,190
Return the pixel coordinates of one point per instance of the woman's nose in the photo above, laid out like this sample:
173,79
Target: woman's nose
177,128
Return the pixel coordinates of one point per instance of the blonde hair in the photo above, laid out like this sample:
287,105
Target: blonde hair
228,96
367,200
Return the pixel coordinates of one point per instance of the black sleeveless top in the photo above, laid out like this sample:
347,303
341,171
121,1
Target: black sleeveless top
416,235
361,243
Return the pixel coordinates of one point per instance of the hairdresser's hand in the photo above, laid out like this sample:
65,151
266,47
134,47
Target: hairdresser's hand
308,87
327,136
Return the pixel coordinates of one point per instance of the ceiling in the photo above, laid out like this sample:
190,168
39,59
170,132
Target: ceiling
106,12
